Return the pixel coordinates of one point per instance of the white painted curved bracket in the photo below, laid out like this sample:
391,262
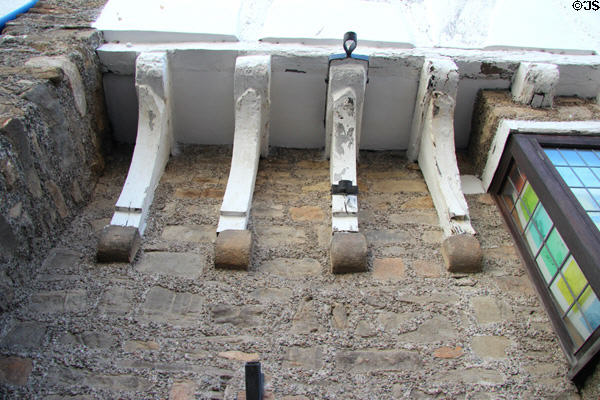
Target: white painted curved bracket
252,82
535,84
345,100
437,75
432,144
153,143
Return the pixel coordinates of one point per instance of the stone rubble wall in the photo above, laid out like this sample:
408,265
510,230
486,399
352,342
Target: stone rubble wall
53,127
492,106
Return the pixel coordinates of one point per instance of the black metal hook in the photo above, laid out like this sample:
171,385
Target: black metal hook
350,42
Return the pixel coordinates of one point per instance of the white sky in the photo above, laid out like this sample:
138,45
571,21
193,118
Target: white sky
552,24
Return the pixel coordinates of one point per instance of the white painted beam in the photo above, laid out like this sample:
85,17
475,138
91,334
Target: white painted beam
437,75
437,160
345,99
153,143
535,84
343,124
432,143
251,138
120,240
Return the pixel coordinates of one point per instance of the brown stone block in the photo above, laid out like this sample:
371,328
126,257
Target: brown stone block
348,252
462,253
15,370
118,244
233,249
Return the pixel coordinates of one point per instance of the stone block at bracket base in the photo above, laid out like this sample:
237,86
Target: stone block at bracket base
348,252
118,244
233,249
462,253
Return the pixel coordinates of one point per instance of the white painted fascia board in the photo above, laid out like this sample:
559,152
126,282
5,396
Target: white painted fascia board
508,126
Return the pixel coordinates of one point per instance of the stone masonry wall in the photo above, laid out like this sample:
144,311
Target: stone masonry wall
494,105
52,128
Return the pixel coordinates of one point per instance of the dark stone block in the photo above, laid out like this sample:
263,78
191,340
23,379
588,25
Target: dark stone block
118,244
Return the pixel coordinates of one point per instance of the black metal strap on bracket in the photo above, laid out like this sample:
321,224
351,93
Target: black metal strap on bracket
255,381
344,187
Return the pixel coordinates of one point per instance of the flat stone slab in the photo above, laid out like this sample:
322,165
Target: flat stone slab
233,249
183,265
348,252
291,267
118,244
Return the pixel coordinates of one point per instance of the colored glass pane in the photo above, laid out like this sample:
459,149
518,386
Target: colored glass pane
561,293
542,220
596,172
590,157
595,193
517,219
590,305
557,247
572,158
529,198
595,216
587,177
573,277
576,326
522,214
509,195
569,176
586,200
546,264
534,239
517,178
555,157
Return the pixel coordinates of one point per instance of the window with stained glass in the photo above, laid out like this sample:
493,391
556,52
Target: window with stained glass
548,189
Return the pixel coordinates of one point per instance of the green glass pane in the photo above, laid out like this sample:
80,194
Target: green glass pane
542,220
589,157
555,157
557,247
573,276
572,158
521,213
546,264
534,239
587,177
529,198
578,329
561,293
586,200
569,176
590,306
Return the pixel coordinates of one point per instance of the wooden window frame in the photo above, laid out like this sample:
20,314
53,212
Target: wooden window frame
576,228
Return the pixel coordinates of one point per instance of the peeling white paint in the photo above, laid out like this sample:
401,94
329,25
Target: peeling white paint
345,99
535,84
153,143
252,94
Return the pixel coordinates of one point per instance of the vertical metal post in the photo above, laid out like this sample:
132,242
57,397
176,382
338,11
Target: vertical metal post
254,381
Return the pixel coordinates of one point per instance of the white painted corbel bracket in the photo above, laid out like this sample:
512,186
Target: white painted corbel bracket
252,82
432,144
345,99
120,240
535,84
